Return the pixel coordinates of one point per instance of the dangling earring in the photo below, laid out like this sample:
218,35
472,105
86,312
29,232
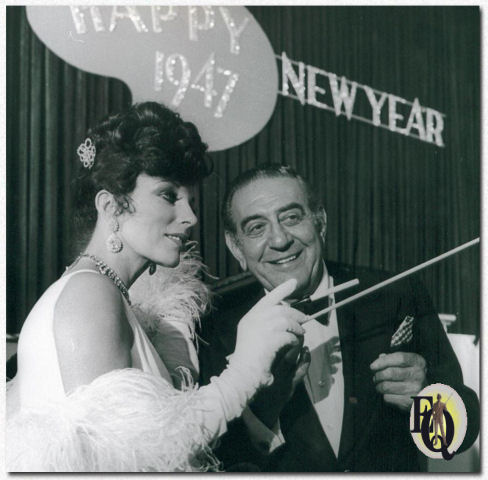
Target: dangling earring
152,268
114,243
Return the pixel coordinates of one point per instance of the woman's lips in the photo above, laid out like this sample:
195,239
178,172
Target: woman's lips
179,238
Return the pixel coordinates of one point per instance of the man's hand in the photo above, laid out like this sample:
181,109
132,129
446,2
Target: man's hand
289,368
399,376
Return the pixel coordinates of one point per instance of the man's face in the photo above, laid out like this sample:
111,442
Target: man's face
277,235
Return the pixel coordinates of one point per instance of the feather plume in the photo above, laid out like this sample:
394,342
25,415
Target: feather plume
124,421
176,294
168,306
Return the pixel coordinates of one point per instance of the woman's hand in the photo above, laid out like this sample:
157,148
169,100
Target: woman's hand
261,333
266,328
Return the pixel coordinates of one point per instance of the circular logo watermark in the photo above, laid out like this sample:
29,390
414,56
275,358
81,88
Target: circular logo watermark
438,421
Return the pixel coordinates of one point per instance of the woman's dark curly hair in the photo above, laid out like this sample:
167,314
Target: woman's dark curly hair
148,138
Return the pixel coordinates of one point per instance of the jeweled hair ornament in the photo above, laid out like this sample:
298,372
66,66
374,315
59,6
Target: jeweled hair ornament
86,151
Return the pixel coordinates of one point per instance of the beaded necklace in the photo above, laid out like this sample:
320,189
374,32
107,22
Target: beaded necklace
104,269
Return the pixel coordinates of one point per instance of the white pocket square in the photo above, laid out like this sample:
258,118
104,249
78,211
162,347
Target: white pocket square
404,333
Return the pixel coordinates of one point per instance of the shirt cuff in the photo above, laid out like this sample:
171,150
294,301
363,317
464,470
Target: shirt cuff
264,439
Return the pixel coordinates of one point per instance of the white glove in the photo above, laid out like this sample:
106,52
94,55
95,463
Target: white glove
264,330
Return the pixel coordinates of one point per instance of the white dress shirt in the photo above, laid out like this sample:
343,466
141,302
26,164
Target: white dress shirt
324,381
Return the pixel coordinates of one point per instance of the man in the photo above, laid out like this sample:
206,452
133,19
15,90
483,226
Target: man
340,403
438,418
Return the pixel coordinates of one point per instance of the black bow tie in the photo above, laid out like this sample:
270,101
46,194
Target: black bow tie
310,307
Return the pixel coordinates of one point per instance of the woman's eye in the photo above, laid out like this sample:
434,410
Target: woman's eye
170,197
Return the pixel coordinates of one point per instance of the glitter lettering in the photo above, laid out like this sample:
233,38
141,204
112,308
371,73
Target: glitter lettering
131,13
159,71
183,82
342,95
158,17
376,105
393,115
194,26
415,120
288,74
234,31
78,16
207,74
313,89
435,125
229,88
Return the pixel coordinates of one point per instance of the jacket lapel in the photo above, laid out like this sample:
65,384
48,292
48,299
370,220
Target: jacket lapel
345,321
305,439
364,332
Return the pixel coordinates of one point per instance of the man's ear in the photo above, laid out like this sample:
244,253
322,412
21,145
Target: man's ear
321,219
232,245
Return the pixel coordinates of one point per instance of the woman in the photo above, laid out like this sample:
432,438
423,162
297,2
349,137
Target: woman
91,393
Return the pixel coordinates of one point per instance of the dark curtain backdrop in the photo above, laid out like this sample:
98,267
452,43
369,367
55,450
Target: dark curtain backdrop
392,201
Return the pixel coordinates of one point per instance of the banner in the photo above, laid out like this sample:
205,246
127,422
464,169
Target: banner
215,66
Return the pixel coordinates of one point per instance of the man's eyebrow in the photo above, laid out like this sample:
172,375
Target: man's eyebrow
285,208
248,219
291,206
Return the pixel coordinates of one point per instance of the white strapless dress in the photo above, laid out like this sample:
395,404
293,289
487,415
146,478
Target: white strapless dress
39,377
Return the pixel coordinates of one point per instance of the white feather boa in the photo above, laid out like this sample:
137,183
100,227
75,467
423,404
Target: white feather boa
124,421
168,305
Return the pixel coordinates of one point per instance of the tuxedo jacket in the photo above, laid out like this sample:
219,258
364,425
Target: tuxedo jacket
375,436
